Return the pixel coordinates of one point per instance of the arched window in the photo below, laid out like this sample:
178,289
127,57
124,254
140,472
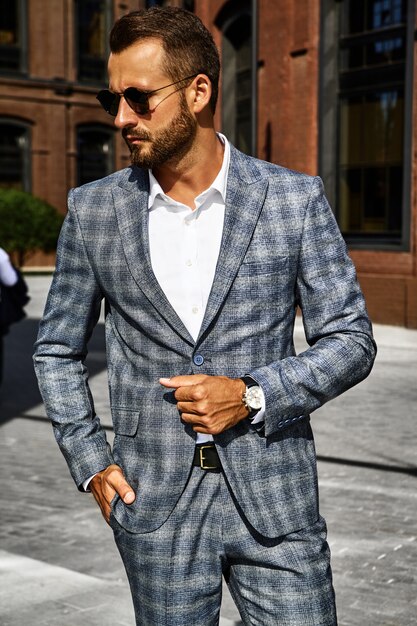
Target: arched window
235,22
14,155
95,153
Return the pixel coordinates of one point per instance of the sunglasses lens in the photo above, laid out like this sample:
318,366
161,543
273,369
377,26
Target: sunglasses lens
137,100
109,101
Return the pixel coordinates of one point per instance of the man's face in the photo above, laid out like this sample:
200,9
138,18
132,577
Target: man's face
167,132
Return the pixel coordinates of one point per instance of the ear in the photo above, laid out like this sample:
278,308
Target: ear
201,93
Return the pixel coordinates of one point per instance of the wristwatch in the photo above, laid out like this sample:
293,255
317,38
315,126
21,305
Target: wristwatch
252,398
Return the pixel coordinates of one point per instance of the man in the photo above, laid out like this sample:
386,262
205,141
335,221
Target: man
202,256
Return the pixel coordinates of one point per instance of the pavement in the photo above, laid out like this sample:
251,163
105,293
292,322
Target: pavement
58,563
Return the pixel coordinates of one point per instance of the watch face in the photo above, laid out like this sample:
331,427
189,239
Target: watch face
254,398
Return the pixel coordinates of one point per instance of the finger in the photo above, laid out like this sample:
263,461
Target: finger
188,407
192,394
181,381
96,490
111,481
192,418
119,485
201,424
196,423
105,510
204,429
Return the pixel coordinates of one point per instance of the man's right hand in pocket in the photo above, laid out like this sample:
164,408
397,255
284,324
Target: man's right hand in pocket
106,484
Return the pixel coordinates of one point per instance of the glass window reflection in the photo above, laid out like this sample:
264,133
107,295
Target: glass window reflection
371,117
14,156
93,19
383,13
370,162
237,82
94,153
12,22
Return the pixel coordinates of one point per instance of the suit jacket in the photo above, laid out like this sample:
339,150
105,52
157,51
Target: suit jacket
281,249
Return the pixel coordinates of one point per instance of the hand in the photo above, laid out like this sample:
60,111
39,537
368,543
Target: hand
106,484
211,404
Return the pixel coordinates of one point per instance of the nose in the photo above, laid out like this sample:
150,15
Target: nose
125,115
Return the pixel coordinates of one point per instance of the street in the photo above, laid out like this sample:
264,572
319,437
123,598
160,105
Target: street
58,563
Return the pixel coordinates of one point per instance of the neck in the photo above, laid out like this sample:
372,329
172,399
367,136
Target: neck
185,180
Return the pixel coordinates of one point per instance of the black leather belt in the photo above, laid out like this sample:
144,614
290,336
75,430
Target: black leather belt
206,457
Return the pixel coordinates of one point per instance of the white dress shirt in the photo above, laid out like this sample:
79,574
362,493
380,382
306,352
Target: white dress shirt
184,248
185,244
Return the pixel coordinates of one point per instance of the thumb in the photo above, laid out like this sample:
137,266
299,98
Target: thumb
126,492
121,486
128,496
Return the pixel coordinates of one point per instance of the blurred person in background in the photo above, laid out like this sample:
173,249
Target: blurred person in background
8,278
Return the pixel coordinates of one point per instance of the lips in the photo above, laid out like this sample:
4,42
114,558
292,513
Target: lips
133,137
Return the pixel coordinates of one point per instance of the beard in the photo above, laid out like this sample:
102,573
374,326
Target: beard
169,143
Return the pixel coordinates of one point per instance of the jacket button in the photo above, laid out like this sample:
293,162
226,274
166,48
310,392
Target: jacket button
198,359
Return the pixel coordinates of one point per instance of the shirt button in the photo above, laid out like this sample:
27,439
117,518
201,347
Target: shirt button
189,263
195,309
198,359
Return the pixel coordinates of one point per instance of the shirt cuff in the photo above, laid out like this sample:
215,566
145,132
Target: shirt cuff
87,482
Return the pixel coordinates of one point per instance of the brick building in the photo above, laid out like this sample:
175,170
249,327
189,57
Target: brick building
322,86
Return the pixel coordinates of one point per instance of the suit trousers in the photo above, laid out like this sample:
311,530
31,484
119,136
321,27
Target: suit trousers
175,572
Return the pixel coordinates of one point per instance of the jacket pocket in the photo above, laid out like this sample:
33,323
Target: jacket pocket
125,421
256,266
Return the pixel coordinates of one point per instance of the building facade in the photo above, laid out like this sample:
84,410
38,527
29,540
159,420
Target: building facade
322,86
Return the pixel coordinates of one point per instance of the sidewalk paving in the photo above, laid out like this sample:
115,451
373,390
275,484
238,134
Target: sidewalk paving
58,563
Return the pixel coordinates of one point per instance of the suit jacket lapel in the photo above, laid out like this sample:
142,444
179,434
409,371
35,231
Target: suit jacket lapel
244,201
131,207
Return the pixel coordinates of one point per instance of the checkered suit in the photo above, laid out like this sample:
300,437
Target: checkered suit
281,248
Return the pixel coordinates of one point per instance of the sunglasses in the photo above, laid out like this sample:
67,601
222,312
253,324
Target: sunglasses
137,100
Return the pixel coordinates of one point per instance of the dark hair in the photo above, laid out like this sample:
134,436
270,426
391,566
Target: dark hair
188,45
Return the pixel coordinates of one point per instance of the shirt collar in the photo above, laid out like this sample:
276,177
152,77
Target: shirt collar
219,184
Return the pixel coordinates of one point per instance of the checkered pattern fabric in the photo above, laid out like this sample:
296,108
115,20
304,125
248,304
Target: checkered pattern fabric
175,572
281,249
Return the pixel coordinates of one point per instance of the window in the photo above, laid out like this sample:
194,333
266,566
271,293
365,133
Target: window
186,4
13,36
238,106
93,18
94,153
367,105
156,3
14,155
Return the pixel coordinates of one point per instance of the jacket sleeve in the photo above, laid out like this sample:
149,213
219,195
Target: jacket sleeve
72,310
337,328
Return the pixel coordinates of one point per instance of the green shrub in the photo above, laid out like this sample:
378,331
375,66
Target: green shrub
27,224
